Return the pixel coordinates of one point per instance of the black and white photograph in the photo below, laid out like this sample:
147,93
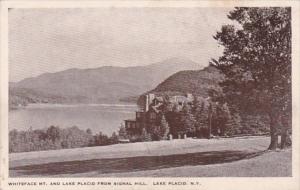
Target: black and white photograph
157,92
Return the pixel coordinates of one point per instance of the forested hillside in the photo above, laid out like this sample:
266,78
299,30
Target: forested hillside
196,82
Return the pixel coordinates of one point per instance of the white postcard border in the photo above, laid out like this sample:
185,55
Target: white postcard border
206,183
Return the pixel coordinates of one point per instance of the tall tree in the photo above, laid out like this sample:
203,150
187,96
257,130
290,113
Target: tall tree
200,111
221,117
233,124
187,120
53,133
122,133
145,136
164,128
256,62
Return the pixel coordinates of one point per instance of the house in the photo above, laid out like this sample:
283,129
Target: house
151,111
130,126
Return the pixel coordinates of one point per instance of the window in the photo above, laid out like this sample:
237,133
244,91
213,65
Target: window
152,115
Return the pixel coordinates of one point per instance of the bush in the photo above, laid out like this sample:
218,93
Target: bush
50,138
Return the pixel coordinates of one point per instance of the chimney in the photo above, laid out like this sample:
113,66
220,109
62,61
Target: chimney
189,96
146,103
149,99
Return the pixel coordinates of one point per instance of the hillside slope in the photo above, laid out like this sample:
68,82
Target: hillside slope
104,84
197,82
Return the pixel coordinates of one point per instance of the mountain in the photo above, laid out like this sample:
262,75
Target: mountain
197,82
189,81
97,85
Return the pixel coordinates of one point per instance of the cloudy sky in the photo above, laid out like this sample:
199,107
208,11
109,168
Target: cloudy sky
51,40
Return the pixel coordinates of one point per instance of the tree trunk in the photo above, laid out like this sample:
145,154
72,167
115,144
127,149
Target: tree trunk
209,129
284,132
283,143
273,133
209,121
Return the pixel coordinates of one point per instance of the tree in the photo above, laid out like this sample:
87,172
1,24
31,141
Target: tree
164,128
101,139
74,137
89,131
256,62
211,117
53,133
145,136
200,111
221,118
233,124
114,138
187,120
91,138
122,132
174,120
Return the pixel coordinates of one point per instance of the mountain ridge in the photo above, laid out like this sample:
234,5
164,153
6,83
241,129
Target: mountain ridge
97,85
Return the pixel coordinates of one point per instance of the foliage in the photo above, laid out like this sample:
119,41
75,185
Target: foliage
51,138
187,120
220,119
155,131
23,96
164,128
256,61
203,84
114,139
53,133
145,136
202,117
233,125
200,110
56,138
122,132
101,139
173,119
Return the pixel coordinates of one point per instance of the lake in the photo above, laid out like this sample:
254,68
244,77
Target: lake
106,118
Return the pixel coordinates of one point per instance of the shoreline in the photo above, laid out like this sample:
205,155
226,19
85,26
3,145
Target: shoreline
46,105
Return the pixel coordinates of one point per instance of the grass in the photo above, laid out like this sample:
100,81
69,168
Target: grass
117,165
179,158
268,164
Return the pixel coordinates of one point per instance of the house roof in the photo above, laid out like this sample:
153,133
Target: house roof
156,107
130,120
159,98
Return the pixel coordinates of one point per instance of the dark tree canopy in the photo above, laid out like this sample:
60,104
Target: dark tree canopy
256,61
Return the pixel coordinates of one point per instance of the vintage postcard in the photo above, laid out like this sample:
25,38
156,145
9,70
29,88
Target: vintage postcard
150,95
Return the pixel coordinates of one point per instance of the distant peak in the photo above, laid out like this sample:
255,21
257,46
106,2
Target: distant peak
210,68
179,59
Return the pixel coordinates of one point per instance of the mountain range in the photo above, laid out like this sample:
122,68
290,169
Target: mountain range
96,85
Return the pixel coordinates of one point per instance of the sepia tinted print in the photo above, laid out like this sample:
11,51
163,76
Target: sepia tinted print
150,92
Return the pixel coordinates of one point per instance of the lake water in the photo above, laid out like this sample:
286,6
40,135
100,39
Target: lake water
98,117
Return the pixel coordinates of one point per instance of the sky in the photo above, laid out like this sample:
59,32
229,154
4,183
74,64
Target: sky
52,40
